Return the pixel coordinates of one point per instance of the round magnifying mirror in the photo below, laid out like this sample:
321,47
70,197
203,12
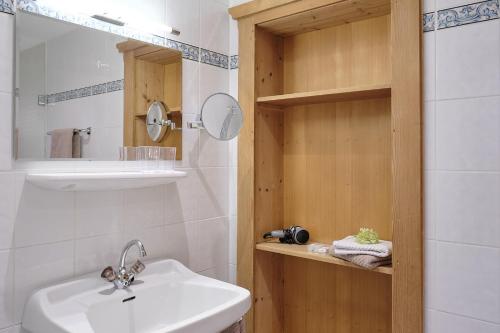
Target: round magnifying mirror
221,116
155,120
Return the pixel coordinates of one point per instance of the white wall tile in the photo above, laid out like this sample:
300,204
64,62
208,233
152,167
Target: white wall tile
213,152
212,80
233,191
181,199
7,210
429,65
468,208
95,253
429,124
179,243
190,87
154,242
232,278
6,53
211,249
6,112
430,281
185,16
468,134
143,208
467,281
213,14
190,143
467,59
6,288
233,240
213,193
430,204
233,37
98,213
44,216
39,266
444,4
439,322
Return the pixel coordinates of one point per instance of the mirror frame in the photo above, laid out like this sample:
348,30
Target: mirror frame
32,8
239,106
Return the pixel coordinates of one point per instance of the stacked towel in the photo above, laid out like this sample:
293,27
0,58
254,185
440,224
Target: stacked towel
365,255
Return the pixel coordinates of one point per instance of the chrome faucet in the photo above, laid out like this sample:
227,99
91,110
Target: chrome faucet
124,277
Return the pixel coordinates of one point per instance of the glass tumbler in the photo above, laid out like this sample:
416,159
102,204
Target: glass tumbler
128,153
167,158
149,157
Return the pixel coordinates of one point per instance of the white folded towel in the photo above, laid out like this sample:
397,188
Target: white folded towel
349,245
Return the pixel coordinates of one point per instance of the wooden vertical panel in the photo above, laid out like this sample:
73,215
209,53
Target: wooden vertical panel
173,85
407,290
334,299
343,56
129,93
337,168
268,279
246,168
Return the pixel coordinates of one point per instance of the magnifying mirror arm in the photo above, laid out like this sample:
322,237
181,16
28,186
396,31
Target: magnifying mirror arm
197,124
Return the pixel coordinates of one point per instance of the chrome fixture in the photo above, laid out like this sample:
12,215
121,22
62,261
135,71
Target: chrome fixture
87,131
125,277
105,18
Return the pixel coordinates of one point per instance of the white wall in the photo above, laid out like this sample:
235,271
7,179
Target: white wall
462,175
31,118
47,236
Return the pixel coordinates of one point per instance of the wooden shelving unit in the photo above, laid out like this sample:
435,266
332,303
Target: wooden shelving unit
152,73
331,93
301,251
328,96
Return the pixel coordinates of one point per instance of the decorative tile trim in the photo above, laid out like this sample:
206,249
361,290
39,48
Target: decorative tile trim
7,6
188,51
97,89
472,13
214,58
429,21
235,62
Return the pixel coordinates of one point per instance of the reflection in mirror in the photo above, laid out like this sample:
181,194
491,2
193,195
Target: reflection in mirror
71,83
221,116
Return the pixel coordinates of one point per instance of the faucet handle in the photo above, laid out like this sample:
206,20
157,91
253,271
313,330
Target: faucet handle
137,267
108,274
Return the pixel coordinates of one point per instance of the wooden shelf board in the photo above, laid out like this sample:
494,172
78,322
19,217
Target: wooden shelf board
328,96
301,251
337,13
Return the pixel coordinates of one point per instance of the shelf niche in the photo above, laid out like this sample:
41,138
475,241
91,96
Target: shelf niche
326,160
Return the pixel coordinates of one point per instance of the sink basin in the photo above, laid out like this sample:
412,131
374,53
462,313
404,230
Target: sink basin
166,297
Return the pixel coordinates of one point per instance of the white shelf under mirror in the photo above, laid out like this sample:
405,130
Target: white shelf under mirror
94,175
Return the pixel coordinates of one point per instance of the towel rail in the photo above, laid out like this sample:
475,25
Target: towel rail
87,131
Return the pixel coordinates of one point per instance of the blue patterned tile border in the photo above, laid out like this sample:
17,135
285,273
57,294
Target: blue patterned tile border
472,13
234,62
429,21
188,51
7,6
214,58
97,89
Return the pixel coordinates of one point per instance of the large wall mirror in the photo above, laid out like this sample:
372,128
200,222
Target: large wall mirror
83,93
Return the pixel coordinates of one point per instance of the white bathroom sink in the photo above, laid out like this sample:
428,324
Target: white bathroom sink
166,297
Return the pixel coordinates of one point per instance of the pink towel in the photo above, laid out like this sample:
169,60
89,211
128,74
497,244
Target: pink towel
64,144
